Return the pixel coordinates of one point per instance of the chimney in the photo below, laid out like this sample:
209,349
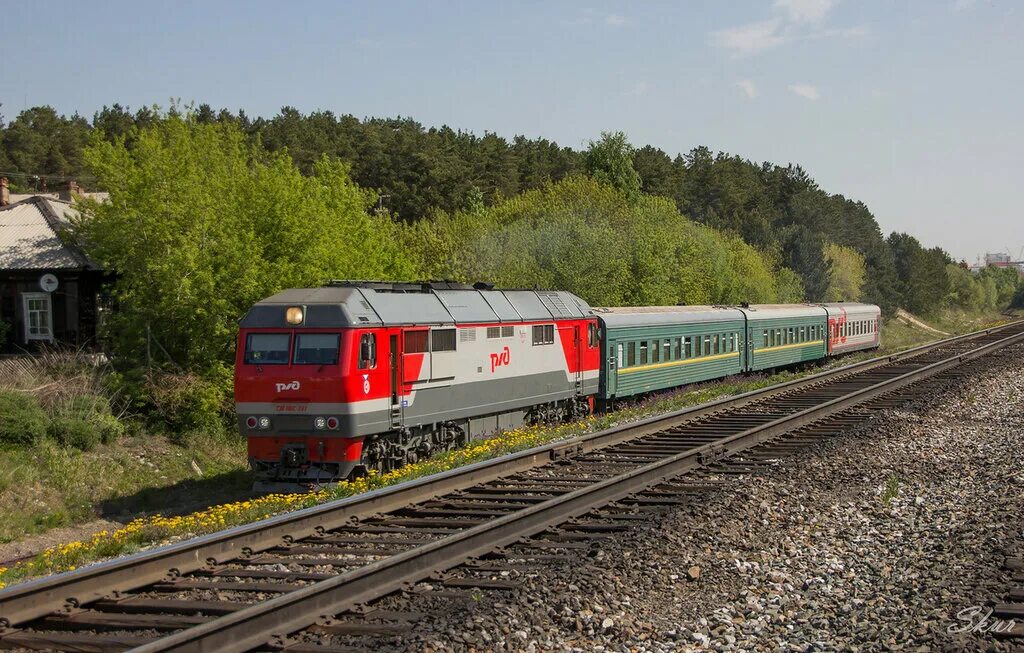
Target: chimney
5,192
69,193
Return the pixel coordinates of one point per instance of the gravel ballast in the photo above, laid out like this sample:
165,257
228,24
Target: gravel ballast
892,537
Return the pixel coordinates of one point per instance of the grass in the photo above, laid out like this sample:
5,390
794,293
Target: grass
52,486
49,485
891,489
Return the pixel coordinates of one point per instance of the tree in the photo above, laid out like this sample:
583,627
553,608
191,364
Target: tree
803,252
610,161
846,273
201,224
591,239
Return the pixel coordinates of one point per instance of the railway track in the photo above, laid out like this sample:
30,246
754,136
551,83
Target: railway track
282,583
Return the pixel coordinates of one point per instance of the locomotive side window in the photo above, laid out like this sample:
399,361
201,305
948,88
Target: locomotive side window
544,334
415,342
267,348
316,349
367,351
592,339
442,340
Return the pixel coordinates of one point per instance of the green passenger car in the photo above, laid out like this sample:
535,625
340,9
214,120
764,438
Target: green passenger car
660,347
784,334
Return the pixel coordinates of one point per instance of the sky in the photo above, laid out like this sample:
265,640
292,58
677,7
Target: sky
912,107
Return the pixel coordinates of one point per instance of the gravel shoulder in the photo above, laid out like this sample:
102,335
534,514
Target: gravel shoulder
882,539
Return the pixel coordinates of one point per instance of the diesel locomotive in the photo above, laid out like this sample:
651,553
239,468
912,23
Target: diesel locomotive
333,381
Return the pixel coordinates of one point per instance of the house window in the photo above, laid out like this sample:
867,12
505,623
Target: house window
38,316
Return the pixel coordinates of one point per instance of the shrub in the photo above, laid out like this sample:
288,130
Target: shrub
187,402
95,410
75,432
22,419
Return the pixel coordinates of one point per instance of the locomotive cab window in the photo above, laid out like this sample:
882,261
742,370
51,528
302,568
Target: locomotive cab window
267,348
367,351
543,334
592,338
316,349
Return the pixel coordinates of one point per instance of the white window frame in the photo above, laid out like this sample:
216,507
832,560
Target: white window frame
26,297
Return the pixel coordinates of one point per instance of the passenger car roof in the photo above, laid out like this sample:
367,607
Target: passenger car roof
627,316
777,311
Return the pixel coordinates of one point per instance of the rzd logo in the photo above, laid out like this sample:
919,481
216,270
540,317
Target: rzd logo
294,385
501,358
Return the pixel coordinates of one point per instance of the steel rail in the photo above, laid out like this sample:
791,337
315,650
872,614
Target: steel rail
259,624
34,599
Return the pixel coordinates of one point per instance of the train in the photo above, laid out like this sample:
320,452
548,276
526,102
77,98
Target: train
333,381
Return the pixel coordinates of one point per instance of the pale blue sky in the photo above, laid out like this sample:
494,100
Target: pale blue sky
912,107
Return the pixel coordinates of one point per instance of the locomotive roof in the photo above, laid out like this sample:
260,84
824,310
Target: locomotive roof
626,316
379,304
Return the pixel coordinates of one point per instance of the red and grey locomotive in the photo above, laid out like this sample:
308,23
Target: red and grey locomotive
331,381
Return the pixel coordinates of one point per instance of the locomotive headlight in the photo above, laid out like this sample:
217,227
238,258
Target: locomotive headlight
332,423
252,422
320,423
264,423
293,315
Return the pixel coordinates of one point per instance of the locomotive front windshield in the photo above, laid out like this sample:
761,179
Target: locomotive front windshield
267,348
316,349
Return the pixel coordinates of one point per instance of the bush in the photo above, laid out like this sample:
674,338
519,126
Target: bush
22,419
187,402
93,410
75,432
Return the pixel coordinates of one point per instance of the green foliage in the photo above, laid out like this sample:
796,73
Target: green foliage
187,402
75,432
847,273
609,161
1018,298
22,420
789,287
40,141
202,224
923,282
589,238
93,411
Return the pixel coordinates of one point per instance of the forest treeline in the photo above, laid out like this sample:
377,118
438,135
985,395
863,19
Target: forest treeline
617,224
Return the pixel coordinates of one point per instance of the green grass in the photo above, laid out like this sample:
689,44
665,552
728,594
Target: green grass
50,485
891,489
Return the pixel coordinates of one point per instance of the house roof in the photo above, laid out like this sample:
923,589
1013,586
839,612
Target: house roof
29,237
